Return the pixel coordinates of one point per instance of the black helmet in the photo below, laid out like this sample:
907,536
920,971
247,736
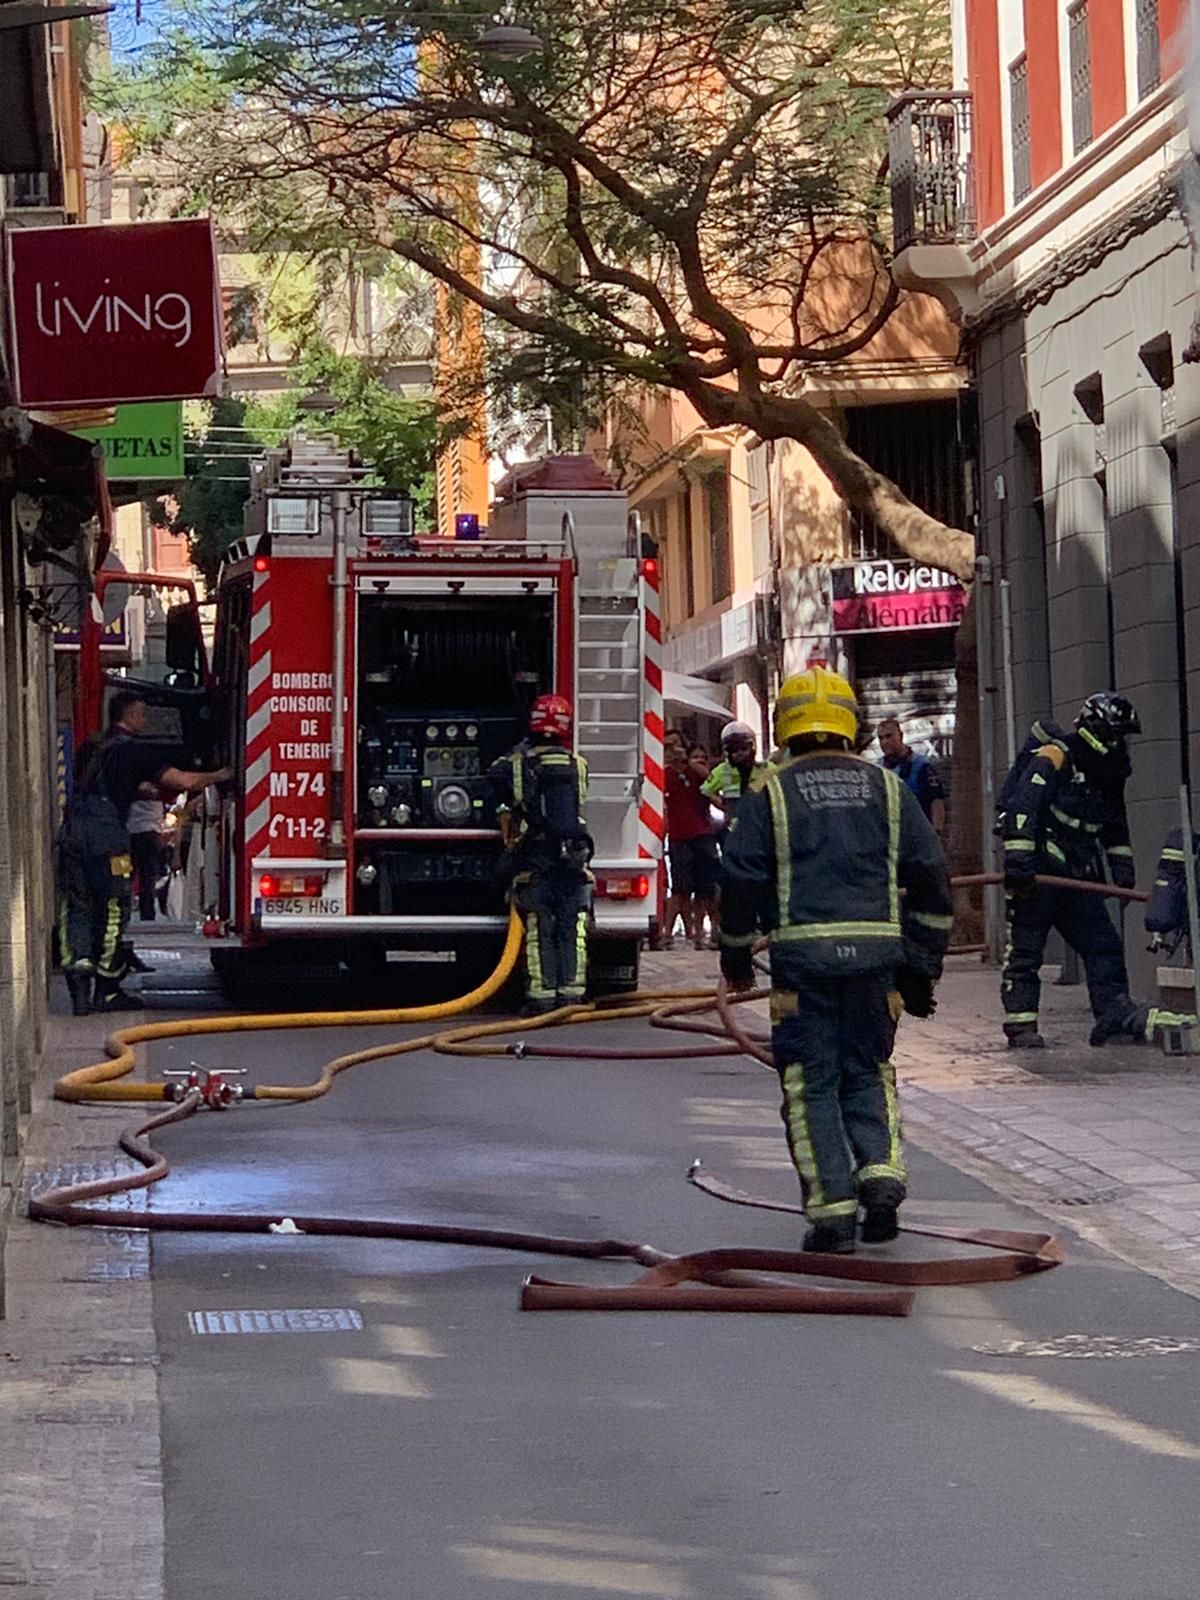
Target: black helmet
1107,718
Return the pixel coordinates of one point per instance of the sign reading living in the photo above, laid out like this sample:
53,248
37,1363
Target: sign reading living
114,312
881,596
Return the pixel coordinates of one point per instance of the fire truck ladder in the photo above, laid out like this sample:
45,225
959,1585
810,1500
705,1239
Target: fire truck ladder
609,735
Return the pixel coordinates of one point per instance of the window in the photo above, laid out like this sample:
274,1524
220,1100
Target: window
1148,64
716,517
756,474
1018,96
918,446
689,554
1081,76
241,315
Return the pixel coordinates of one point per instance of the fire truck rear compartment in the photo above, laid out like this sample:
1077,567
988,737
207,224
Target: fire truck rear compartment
444,688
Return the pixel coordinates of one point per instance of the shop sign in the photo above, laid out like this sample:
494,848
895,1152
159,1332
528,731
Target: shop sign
114,312
144,442
894,596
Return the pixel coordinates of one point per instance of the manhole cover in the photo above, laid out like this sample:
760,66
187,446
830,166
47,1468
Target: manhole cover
310,1320
1093,1347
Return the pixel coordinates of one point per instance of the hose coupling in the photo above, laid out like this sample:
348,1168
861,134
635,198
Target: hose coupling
520,1049
213,1087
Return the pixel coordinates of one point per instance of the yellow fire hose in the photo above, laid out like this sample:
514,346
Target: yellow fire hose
99,1082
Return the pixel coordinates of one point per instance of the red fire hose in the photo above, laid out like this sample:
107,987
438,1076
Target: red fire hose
712,1280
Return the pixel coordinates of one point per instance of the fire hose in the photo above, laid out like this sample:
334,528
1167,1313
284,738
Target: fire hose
724,1279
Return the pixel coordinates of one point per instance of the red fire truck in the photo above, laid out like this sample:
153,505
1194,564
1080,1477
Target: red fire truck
363,681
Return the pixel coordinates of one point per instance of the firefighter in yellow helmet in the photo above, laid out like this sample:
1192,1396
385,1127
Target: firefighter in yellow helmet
817,860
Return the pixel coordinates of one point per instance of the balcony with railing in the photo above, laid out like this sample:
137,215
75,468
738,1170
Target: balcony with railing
932,191
929,155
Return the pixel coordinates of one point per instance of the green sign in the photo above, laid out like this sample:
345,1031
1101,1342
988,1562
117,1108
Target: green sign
146,441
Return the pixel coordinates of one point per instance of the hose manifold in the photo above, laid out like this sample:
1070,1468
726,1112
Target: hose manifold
213,1086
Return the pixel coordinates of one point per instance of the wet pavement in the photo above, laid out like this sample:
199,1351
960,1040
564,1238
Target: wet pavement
381,1421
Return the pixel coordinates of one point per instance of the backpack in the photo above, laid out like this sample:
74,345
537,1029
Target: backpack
1006,799
1166,912
550,807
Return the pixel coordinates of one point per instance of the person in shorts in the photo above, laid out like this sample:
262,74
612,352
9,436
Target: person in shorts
691,845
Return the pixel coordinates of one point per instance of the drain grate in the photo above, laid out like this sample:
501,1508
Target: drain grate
319,1319
1093,1347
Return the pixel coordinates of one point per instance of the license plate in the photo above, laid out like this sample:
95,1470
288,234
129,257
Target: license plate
434,957
297,908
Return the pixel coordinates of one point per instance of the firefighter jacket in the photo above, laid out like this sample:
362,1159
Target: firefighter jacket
541,787
818,860
1062,804
728,783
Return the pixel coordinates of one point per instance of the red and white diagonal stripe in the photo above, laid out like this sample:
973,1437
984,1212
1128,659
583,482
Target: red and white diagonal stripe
651,823
258,719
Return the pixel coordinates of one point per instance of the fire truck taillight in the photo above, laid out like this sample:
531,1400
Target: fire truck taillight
650,568
274,887
635,888
261,564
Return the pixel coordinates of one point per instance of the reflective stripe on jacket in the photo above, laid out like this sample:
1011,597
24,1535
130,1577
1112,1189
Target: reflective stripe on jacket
1057,813
818,861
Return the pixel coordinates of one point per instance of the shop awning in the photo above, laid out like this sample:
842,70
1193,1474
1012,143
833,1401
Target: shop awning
695,694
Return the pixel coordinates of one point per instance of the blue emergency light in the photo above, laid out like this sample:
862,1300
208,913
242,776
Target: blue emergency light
466,525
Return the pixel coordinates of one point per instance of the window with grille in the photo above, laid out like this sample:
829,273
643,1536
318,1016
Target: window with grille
242,314
1079,35
1149,66
1018,96
716,516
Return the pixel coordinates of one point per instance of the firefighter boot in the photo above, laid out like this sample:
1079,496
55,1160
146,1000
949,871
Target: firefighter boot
832,1237
111,997
79,987
1023,1036
880,1199
1125,1019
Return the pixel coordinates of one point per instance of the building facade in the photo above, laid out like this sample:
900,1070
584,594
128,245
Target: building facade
763,566
1047,203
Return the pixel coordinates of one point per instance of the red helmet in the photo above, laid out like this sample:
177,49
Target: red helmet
551,714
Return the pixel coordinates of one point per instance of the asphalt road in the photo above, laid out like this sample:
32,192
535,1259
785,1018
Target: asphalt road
453,1448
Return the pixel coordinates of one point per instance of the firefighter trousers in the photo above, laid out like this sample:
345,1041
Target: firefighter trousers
833,1041
1084,922
555,901
94,881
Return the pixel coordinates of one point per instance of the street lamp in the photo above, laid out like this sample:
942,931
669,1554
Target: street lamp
509,40
319,403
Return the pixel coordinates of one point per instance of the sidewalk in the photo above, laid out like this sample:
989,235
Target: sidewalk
1105,1142
81,1482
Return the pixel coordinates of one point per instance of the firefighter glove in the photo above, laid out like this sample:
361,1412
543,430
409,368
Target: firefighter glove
916,990
1020,885
737,966
1121,870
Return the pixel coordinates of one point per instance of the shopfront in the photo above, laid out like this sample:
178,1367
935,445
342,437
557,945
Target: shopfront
896,621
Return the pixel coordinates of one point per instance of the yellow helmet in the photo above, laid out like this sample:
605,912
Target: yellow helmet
816,701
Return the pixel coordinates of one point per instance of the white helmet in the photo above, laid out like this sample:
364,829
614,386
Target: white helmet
737,733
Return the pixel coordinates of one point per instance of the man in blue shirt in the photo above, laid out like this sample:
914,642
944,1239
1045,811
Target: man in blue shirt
916,771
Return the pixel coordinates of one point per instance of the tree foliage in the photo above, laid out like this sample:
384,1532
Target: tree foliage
664,197
395,436
207,506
